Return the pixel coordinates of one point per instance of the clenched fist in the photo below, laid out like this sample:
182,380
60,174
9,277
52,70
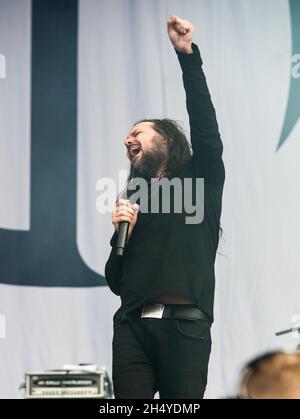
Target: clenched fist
181,34
125,211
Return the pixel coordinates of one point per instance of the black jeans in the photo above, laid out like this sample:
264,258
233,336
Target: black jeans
166,355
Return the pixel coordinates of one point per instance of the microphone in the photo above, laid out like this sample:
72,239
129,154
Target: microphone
291,330
122,237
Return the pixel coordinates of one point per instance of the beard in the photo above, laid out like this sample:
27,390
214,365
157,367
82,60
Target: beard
151,162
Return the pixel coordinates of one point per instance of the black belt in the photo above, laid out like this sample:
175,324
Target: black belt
173,311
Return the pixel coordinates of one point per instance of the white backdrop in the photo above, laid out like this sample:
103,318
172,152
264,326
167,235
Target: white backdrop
128,70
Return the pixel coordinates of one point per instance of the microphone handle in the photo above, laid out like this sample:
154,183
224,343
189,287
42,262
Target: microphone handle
122,237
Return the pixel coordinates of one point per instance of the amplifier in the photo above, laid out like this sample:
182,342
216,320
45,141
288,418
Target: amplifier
68,384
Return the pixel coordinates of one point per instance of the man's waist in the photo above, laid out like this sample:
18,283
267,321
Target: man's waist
171,311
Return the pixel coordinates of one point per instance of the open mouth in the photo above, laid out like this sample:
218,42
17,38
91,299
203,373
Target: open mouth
134,150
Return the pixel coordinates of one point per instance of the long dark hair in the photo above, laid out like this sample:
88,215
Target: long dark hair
179,149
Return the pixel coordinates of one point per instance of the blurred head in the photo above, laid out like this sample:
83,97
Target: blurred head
156,148
275,375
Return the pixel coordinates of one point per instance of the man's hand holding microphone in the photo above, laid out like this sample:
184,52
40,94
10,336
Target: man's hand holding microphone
124,218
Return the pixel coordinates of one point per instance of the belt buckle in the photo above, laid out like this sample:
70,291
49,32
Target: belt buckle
154,310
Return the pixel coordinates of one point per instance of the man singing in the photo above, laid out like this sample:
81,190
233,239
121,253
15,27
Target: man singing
166,278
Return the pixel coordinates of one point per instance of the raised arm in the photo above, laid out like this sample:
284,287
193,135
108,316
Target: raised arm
205,137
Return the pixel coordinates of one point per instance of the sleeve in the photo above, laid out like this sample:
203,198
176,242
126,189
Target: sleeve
114,267
205,137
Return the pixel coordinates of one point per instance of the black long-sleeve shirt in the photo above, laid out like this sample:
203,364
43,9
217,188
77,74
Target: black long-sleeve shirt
164,253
